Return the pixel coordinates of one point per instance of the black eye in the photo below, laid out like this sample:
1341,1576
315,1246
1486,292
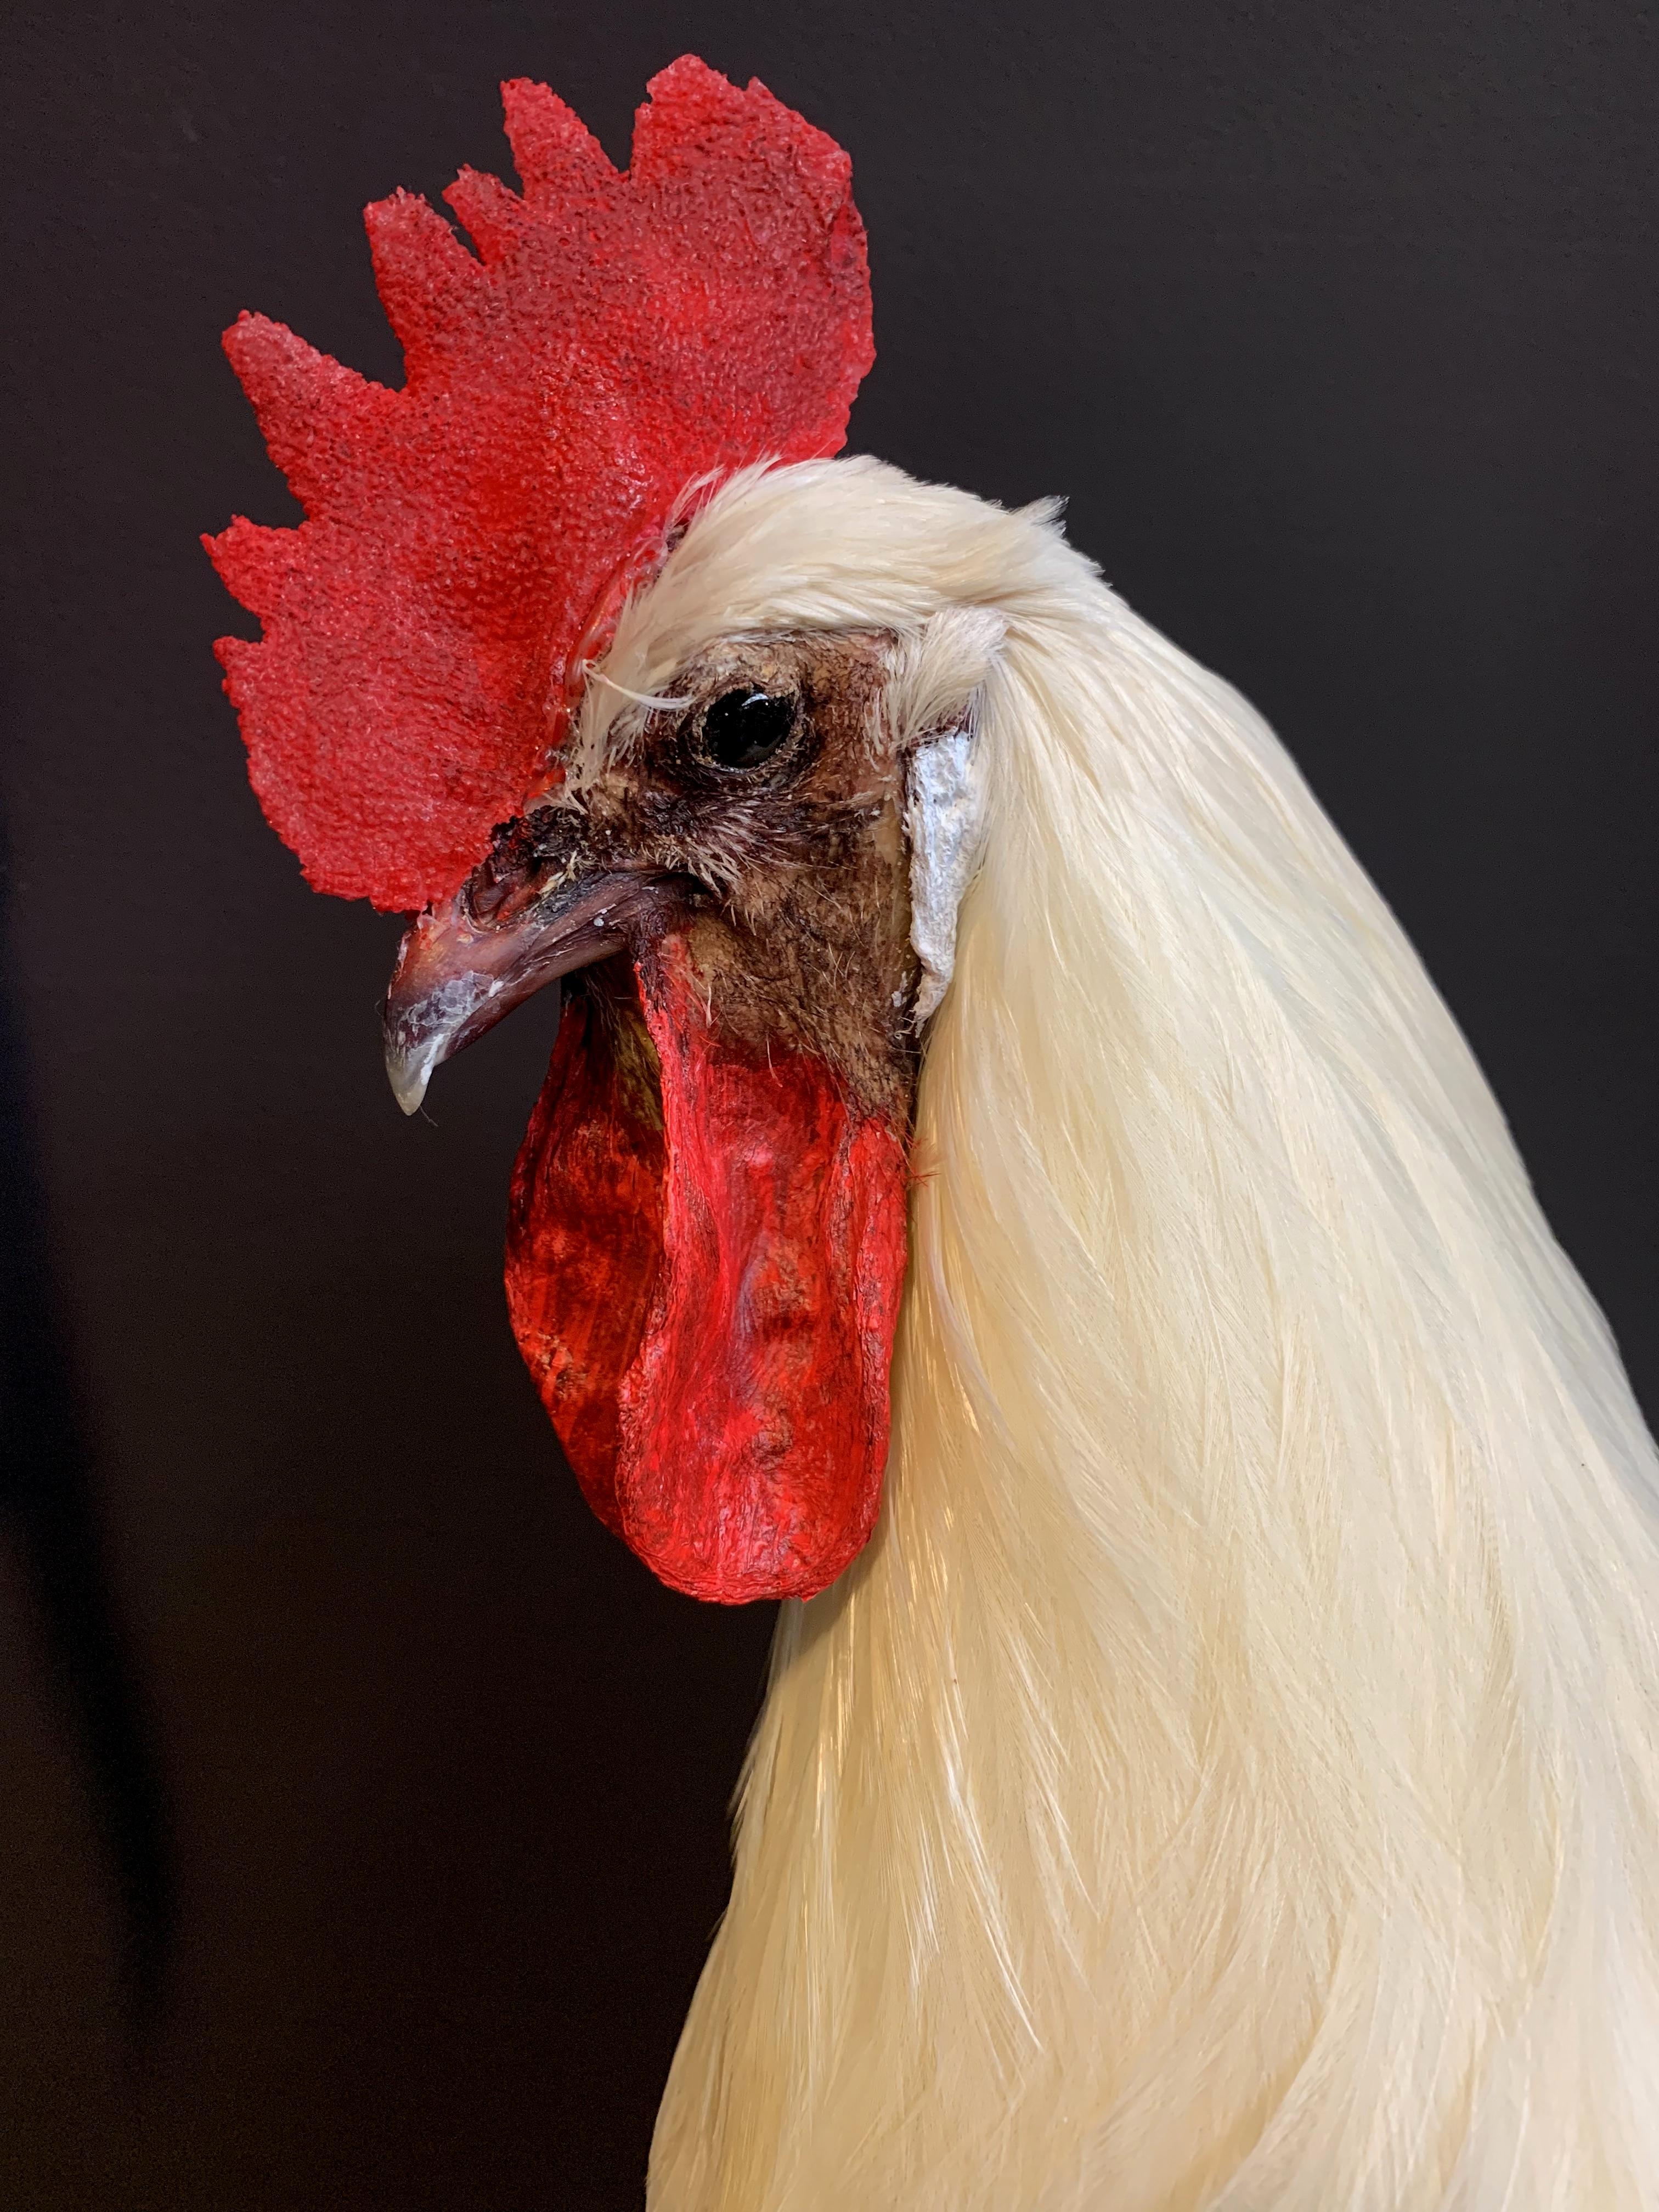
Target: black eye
741,729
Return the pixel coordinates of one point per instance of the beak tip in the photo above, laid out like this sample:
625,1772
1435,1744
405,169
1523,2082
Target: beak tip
409,1076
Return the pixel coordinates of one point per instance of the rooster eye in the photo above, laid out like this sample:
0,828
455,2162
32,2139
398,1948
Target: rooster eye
742,729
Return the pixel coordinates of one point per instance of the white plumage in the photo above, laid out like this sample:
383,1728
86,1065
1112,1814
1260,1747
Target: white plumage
1228,1783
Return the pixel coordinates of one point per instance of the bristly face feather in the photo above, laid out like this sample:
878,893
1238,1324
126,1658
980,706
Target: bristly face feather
804,942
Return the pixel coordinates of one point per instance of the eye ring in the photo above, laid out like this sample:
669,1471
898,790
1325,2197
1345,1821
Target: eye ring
745,727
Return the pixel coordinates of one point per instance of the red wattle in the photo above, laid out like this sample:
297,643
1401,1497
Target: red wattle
584,1243
709,1309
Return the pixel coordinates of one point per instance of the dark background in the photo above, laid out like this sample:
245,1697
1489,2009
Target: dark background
361,1803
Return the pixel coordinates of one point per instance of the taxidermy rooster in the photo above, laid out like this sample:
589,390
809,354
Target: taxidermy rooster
1222,1771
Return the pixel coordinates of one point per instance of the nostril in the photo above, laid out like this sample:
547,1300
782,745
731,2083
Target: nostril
485,895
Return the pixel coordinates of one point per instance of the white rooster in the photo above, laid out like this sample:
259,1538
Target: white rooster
1224,1777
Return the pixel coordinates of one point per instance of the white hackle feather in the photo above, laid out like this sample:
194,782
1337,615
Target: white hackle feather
1230,1780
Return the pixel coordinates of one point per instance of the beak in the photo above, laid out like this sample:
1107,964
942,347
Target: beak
507,932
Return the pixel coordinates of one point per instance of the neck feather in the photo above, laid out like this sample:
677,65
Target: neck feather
1230,1779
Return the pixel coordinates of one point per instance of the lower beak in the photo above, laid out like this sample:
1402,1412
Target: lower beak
457,973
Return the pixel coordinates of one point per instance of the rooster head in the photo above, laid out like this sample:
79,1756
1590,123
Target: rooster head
515,680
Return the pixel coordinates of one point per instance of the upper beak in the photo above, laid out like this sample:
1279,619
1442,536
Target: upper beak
498,940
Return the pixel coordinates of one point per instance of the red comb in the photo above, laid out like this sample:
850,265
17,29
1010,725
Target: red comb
616,338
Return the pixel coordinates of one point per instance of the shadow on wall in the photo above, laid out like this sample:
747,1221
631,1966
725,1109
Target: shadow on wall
50,1512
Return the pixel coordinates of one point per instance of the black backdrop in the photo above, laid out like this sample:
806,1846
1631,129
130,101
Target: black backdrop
361,1804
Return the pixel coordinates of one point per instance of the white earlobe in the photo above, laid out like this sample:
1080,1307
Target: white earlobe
944,819
940,670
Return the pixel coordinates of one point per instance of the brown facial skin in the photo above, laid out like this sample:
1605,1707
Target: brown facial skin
805,944
789,879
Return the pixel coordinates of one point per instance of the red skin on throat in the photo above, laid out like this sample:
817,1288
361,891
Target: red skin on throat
709,1307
